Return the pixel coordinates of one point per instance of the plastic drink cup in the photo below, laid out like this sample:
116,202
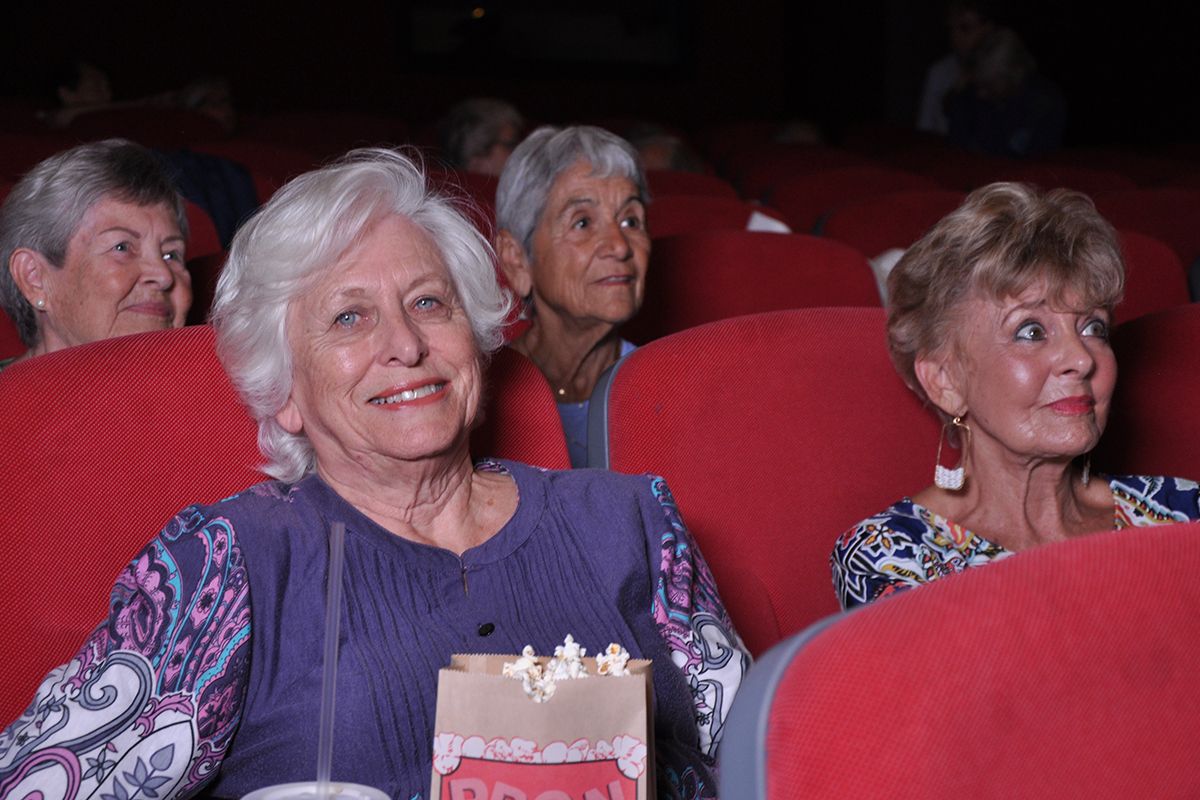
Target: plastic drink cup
307,790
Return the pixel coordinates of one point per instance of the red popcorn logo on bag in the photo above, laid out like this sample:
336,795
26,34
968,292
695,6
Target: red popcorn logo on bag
531,759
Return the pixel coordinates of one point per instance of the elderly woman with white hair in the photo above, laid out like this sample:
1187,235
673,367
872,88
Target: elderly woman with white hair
92,242
354,316
572,241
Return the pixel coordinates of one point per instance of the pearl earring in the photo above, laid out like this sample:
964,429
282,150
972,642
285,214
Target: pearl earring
41,303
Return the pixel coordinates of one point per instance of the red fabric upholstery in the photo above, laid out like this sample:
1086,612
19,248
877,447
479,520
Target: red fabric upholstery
521,420
897,219
1068,671
162,128
1170,215
759,170
951,167
1088,180
1154,277
697,213
702,277
203,239
270,165
663,182
805,199
21,152
475,192
1142,169
205,271
776,432
10,341
102,445
1154,427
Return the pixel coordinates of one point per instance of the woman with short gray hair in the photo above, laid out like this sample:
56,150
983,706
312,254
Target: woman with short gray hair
572,241
92,242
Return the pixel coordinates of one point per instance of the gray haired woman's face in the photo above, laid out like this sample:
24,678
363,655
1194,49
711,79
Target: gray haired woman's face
385,364
124,272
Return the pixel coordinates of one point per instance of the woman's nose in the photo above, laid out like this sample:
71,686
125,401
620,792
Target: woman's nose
616,242
403,340
1074,355
156,270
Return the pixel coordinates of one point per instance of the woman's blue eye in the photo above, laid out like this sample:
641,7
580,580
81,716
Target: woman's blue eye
427,303
346,318
1031,331
1096,327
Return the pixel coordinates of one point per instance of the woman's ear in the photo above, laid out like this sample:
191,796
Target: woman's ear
28,269
942,379
514,263
289,418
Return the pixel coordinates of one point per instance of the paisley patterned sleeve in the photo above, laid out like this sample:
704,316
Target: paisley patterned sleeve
698,631
147,707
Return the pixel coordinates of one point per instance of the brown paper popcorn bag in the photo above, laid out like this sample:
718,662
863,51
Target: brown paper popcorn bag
592,739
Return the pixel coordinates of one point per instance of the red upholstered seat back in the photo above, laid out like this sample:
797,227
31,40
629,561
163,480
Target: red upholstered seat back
697,213
1154,277
1067,671
804,200
10,341
102,445
1169,214
702,277
663,182
776,432
521,419
896,219
1154,425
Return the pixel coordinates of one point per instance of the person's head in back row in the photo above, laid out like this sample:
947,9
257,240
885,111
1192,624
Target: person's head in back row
999,319
572,241
478,135
93,244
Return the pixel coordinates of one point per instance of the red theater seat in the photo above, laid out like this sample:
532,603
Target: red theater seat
702,277
1171,215
1154,427
203,239
521,419
695,213
1066,671
776,433
804,200
759,170
1154,277
663,182
10,341
102,444
897,219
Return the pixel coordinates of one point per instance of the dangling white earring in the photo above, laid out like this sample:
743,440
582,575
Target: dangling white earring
1087,469
952,479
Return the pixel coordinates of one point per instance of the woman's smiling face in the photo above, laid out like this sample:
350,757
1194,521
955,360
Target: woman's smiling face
385,364
1034,376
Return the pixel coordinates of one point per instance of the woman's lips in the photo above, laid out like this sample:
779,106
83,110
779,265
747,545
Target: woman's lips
414,394
1074,406
152,308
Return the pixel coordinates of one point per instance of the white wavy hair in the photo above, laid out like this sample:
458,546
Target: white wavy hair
303,231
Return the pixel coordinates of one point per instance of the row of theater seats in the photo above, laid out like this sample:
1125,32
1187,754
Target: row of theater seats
776,432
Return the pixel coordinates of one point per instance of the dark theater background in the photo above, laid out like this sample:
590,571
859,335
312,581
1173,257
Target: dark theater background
1128,72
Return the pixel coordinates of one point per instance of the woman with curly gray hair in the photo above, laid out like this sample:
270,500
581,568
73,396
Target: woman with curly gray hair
999,318
354,317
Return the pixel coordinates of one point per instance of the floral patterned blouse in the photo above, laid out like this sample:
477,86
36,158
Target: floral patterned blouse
907,544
